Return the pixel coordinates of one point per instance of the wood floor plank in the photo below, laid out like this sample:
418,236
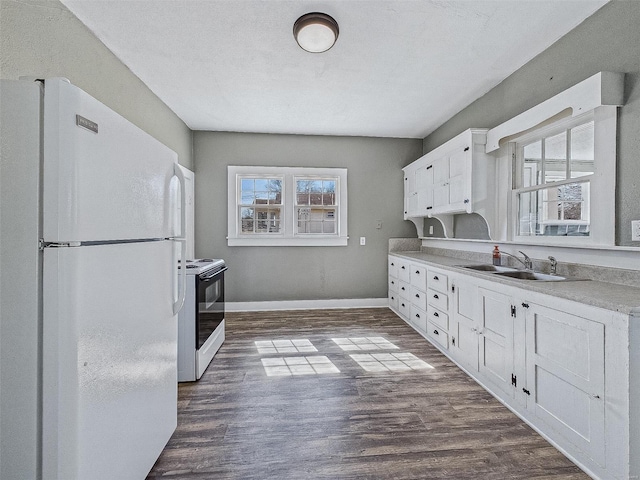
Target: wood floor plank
238,423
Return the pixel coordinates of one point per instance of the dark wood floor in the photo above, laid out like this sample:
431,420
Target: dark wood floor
239,423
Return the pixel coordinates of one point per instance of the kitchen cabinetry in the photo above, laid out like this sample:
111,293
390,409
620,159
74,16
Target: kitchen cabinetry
464,328
496,339
564,383
438,307
570,370
457,177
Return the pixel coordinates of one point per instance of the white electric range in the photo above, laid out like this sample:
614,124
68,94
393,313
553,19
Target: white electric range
201,329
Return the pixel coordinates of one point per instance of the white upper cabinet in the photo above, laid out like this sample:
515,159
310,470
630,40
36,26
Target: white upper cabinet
457,177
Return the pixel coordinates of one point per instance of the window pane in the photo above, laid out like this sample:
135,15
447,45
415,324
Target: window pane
329,192
247,226
555,158
532,164
302,198
555,211
260,191
582,150
317,220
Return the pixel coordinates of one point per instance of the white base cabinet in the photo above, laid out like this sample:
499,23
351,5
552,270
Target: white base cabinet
570,370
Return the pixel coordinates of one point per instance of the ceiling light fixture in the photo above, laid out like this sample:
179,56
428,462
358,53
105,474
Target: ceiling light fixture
315,32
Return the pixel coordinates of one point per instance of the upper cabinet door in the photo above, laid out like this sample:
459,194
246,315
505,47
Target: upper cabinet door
104,178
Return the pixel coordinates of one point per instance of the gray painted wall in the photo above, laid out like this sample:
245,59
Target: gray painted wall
41,38
375,189
607,41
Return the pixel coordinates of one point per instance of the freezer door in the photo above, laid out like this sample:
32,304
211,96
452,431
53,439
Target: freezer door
109,360
104,178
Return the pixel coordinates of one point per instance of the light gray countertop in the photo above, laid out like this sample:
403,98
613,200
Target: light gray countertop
610,296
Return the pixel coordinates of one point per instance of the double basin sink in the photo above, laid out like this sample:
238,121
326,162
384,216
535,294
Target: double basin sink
520,274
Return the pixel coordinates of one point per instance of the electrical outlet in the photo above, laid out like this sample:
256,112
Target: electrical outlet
635,230
363,240
378,224
430,229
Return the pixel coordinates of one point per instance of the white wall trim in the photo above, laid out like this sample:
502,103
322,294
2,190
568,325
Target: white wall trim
603,88
306,304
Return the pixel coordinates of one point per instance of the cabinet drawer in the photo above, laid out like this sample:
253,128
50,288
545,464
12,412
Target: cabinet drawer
404,270
438,317
437,280
419,299
437,334
419,277
418,319
438,299
404,289
393,284
393,267
404,307
393,300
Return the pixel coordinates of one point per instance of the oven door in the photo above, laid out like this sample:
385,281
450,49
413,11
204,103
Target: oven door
209,304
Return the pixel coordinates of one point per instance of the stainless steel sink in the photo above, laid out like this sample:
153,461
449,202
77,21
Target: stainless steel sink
520,274
489,268
536,276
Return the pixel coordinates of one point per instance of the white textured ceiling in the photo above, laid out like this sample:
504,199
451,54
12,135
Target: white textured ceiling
400,68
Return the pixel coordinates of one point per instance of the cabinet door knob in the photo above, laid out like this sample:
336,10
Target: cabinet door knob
402,267
417,296
401,288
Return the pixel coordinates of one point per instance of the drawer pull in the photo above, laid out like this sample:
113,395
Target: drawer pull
417,315
392,282
402,304
435,277
436,332
435,314
417,296
393,264
392,297
418,272
401,288
435,295
402,267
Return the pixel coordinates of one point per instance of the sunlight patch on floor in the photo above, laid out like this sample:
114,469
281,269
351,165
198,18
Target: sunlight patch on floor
364,343
301,345
389,362
287,366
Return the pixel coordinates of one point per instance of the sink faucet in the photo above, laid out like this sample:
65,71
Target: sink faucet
554,265
527,262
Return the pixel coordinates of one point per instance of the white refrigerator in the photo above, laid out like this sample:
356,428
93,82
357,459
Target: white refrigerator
90,288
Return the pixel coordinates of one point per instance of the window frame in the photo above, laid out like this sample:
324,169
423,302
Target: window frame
601,210
288,235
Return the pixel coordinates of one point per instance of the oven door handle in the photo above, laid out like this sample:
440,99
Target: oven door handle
216,273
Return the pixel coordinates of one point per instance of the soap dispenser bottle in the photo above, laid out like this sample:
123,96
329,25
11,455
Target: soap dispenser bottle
496,256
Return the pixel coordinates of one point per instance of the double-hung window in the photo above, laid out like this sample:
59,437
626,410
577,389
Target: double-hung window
564,180
284,206
553,195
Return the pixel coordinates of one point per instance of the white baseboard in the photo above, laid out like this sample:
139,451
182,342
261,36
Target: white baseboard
306,304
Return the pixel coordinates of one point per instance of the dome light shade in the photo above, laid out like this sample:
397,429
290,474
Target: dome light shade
315,32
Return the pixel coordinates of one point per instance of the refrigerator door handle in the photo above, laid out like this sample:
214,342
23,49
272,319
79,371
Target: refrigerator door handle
182,281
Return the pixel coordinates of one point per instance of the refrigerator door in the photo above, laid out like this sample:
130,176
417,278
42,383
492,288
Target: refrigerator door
109,359
104,178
